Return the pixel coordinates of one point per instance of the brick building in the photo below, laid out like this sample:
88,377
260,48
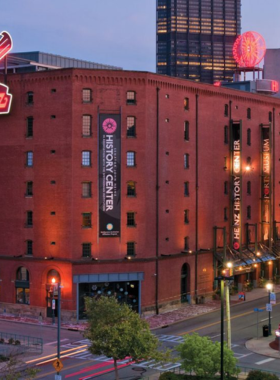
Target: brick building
190,160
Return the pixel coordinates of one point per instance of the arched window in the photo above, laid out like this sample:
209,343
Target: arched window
226,109
53,274
22,286
248,136
248,113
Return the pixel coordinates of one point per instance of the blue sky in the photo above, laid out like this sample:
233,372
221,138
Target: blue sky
117,32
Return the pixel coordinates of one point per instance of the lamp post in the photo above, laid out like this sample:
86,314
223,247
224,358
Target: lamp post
269,287
58,316
53,301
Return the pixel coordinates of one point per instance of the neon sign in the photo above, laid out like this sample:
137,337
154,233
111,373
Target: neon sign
6,44
249,49
5,99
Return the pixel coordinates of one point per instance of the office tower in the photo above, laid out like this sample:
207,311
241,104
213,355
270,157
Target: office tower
195,38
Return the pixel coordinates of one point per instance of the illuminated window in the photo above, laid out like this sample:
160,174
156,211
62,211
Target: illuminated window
86,220
131,97
86,158
248,212
186,161
249,187
29,126
225,213
186,216
29,189
248,113
186,104
86,132
226,134
226,187
131,219
29,97
186,131
186,243
86,189
130,248
87,95
249,136
131,189
226,110
29,159
186,189
130,126
29,247
22,286
86,250
130,159
29,218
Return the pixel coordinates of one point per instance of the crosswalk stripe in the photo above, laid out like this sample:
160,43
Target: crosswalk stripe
265,361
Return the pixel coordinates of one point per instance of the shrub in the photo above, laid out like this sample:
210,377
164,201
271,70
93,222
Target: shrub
11,341
168,376
17,342
2,341
259,375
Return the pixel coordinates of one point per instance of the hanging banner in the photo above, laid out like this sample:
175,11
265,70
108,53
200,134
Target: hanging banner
266,184
236,185
109,175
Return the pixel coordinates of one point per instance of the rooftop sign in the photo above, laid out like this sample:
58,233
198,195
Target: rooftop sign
6,44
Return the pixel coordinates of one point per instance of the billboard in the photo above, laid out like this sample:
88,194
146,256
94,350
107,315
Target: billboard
109,175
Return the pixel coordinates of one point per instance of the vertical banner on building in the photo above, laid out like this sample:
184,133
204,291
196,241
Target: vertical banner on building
236,185
266,185
109,175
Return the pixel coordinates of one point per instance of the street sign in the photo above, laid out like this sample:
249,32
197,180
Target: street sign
57,377
268,307
272,298
57,365
53,304
256,309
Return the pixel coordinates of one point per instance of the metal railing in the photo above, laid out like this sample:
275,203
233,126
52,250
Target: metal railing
25,342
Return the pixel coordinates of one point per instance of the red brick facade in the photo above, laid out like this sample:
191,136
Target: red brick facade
57,175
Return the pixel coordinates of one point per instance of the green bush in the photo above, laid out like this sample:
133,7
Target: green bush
168,376
259,375
17,342
11,341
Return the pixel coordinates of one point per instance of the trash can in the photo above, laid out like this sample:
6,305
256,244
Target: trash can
265,330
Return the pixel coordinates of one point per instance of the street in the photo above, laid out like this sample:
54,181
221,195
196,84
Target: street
78,363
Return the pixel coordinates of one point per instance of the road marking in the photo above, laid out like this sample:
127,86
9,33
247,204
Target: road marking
215,336
265,361
262,320
48,344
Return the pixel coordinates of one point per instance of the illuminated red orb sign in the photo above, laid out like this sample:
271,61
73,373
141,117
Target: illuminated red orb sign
6,44
249,49
5,99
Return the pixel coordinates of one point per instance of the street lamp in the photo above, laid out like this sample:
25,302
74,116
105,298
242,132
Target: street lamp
58,315
53,301
269,288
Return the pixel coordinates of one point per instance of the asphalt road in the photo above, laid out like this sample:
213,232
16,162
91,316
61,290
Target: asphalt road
78,363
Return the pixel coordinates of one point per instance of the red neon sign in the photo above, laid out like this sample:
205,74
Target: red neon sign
6,44
249,49
275,86
5,99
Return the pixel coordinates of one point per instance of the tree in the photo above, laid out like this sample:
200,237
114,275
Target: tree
203,356
117,331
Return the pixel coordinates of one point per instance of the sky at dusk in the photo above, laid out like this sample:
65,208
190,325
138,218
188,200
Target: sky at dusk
116,32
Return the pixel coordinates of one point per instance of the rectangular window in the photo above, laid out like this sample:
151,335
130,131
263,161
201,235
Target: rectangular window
86,249
248,212
186,104
248,113
226,187
130,248
186,243
86,220
131,219
226,110
22,295
86,132
249,187
29,189
249,136
130,159
131,97
186,217
131,191
270,116
225,134
186,189
186,131
87,95
29,159
29,218
186,161
86,189
130,126
86,158
29,127
29,97
225,213
29,247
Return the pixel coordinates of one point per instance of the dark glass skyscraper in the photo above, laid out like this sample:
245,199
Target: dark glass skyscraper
195,38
